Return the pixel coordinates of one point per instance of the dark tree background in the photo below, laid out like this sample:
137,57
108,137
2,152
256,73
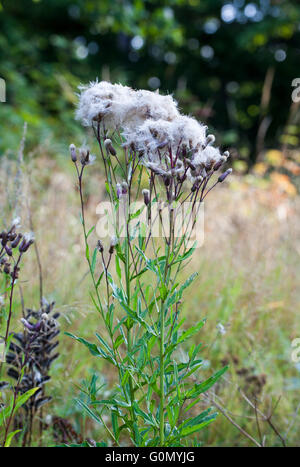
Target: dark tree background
229,63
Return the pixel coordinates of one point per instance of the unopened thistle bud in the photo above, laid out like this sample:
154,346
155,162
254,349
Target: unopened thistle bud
109,147
113,243
146,194
119,191
73,154
189,164
219,163
124,188
8,250
166,179
16,242
224,175
162,144
210,139
100,246
31,327
194,187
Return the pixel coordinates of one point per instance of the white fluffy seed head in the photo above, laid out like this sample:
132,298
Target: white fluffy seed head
103,101
114,241
153,135
16,222
152,125
28,237
207,157
119,106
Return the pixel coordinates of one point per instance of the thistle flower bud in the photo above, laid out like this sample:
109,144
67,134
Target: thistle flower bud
86,158
146,194
226,154
224,175
16,242
189,164
3,238
27,240
114,241
219,163
162,144
100,246
73,154
109,147
119,191
166,179
124,186
16,223
8,250
194,187
31,327
210,140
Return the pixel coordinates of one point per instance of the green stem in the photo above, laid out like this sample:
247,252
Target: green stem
127,275
162,377
162,337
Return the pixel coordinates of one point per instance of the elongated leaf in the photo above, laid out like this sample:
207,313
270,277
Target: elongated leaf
94,260
92,347
205,385
10,437
86,408
24,398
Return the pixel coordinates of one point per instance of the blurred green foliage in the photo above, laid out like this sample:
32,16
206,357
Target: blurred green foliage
216,56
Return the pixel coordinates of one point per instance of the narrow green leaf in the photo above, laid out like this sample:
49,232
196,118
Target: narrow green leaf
10,437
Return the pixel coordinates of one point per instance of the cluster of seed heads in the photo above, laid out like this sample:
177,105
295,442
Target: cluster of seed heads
83,154
32,352
12,242
175,148
113,243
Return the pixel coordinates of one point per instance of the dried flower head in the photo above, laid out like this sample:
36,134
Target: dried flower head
119,106
113,243
86,158
73,154
32,353
146,195
109,147
16,223
27,240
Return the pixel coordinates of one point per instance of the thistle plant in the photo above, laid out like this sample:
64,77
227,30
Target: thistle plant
153,155
13,247
29,360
